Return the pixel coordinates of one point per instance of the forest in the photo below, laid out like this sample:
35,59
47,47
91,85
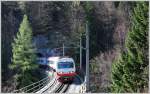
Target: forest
118,32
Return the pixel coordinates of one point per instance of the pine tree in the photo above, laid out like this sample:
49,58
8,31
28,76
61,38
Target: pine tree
23,59
130,71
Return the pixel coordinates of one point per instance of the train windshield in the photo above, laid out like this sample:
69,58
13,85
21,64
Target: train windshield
62,65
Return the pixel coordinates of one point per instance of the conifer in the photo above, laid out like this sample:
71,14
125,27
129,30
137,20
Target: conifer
24,58
130,71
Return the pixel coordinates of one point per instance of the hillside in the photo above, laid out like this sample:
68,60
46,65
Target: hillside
57,23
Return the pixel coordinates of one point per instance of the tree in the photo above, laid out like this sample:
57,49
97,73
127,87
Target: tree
130,71
23,59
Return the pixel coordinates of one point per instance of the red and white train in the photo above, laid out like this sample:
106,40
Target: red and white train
64,68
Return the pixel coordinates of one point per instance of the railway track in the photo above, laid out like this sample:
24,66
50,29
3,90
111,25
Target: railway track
62,88
50,87
66,87
57,87
76,86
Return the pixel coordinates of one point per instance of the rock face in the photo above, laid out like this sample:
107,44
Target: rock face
40,41
54,20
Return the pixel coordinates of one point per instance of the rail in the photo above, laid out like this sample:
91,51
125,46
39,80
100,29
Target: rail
35,87
46,83
47,87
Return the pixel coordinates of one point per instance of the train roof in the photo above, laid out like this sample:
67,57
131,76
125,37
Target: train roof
61,59
54,58
65,59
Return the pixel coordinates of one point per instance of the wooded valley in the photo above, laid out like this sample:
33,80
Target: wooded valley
118,33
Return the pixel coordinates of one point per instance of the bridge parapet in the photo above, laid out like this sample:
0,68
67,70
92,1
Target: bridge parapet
37,86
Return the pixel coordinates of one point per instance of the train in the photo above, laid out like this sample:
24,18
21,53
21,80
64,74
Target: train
64,67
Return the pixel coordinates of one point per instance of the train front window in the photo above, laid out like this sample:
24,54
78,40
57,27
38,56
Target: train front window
62,65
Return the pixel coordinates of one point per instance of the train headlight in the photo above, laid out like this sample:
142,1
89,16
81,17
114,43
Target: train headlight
71,71
60,72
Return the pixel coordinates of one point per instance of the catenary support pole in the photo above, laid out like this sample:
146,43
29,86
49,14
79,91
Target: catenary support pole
87,57
80,52
63,50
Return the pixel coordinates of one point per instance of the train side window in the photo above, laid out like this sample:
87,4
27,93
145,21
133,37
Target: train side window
51,62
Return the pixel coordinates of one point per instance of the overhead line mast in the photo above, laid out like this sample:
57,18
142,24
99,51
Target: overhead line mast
87,57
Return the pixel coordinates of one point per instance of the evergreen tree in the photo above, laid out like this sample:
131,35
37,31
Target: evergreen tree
23,59
130,71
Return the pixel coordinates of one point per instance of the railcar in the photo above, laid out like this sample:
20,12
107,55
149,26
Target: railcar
64,68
